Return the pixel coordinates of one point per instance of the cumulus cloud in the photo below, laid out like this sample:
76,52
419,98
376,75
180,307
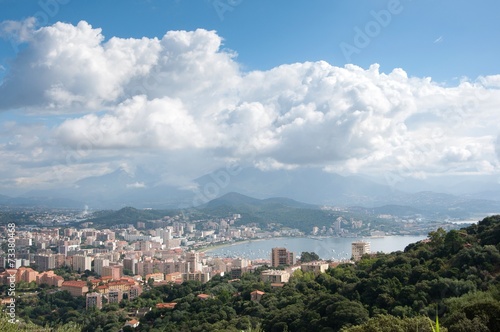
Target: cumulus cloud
136,123
497,147
18,31
161,100
67,68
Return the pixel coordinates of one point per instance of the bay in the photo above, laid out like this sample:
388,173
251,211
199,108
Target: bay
327,248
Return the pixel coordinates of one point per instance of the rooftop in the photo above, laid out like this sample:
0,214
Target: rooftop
170,305
315,263
277,284
72,283
204,296
274,272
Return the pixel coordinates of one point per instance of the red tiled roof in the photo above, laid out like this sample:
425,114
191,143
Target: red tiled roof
170,305
204,296
132,322
29,269
72,283
277,284
127,279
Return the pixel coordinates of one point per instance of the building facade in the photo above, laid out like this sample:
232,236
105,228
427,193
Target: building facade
115,296
45,262
281,256
359,249
274,276
93,300
316,266
81,263
76,288
99,263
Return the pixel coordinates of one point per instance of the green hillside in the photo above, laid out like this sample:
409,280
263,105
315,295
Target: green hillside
287,212
127,215
283,211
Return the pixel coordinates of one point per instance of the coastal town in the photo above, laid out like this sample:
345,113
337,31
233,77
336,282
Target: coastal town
115,264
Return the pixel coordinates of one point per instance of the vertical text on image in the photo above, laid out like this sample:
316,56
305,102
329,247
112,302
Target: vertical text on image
11,263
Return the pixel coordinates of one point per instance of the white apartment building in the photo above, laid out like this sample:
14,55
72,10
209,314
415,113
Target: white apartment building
359,249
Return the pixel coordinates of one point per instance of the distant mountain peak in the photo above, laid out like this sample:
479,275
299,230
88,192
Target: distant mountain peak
128,209
233,198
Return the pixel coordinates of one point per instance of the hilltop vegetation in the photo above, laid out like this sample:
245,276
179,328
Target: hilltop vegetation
17,217
126,215
282,211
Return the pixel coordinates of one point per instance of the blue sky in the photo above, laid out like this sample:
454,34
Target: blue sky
405,88
442,39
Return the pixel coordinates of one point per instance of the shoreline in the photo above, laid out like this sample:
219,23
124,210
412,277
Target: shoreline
222,245
217,246
210,248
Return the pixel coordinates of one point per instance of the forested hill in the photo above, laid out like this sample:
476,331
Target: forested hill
454,274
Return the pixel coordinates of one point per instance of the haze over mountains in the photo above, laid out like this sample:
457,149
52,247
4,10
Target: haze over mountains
142,189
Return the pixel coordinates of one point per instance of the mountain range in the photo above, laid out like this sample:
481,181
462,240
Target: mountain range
142,189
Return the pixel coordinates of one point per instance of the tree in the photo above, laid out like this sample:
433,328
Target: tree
453,241
347,313
388,323
280,327
467,309
489,230
128,272
437,238
308,257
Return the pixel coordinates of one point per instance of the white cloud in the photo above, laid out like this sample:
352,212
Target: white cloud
136,185
136,123
183,103
18,31
497,147
438,40
68,68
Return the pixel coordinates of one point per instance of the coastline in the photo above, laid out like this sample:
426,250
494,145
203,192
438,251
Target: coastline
223,245
326,248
